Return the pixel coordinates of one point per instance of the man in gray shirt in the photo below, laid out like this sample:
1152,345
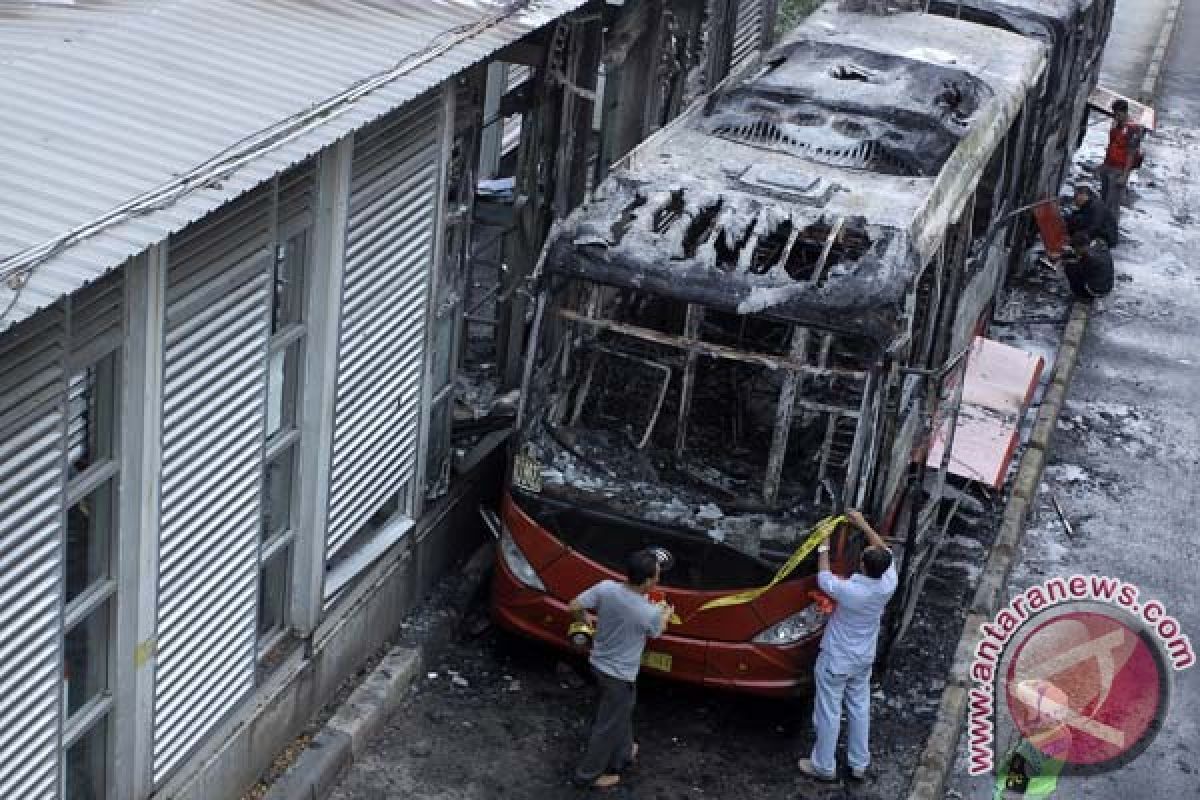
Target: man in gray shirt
624,618
843,669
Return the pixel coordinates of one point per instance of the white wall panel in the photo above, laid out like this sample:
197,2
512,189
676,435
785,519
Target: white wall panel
214,374
32,387
389,260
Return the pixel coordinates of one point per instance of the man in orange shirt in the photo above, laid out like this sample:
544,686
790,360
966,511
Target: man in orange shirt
1124,155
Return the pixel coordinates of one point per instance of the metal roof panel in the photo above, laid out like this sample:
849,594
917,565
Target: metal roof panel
105,101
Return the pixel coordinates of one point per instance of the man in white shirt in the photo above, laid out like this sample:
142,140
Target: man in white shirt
843,669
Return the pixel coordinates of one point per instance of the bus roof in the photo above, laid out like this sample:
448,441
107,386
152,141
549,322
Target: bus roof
815,186
1044,19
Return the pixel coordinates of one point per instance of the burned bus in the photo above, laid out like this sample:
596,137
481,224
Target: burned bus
1074,32
758,319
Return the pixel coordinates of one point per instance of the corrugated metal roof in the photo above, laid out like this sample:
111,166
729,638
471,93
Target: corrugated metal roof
105,104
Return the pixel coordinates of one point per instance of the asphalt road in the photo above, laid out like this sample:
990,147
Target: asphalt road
1133,38
1127,448
1180,103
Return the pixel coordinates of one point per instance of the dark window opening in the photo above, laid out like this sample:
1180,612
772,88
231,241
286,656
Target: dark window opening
700,228
643,308
802,262
85,773
989,193
769,249
668,213
85,652
644,423
729,248
91,395
90,528
625,221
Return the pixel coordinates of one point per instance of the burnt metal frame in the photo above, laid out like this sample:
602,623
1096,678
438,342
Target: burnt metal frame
581,399
710,349
795,364
693,318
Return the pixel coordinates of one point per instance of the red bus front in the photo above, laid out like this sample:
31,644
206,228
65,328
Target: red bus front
765,647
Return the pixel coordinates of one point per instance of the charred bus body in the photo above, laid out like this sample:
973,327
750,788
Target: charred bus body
758,319
1074,32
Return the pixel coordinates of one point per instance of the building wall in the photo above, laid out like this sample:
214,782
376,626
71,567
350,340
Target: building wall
179,417
249,741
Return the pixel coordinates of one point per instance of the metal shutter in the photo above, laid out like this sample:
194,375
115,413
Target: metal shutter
97,319
214,374
298,195
389,257
749,36
511,136
31,486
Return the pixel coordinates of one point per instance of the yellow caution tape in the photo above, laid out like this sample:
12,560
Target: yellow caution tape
820,532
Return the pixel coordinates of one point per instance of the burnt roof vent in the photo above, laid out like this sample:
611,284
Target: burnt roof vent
850,107
845,143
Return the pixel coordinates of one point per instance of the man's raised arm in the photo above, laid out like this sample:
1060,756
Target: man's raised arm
859,521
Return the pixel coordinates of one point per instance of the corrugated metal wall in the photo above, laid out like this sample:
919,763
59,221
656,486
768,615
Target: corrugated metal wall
97,319
213,417
31,485
298,195
389,259
749,34
511,136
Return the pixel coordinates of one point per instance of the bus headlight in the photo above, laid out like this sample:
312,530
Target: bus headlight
518,564
798,626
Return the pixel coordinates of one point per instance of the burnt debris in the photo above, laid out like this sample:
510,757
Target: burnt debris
742,426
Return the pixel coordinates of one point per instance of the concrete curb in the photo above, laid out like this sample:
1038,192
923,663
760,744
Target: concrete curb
1154,73
346,735
941,749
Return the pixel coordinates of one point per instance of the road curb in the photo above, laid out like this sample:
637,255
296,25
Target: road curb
1158,60
941,749
316,770
929,780
342,740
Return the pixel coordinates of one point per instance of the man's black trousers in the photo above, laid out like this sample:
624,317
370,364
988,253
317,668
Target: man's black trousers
610,748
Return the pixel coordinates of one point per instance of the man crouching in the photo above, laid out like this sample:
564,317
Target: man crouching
624,619
843,669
